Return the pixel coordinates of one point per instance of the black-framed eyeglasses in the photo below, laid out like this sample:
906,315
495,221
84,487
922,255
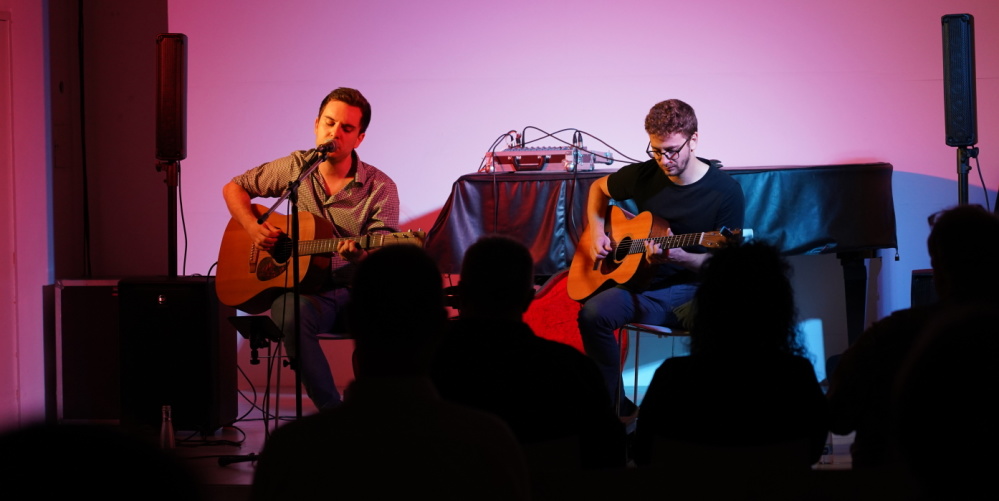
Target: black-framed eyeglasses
656,154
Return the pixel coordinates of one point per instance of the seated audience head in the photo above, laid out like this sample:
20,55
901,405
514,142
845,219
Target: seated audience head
497,279
962,246
945,403
745,303
397,311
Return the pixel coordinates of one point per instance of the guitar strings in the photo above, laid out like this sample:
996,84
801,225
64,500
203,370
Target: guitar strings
668,241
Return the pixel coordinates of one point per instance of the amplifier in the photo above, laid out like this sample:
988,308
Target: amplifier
529,158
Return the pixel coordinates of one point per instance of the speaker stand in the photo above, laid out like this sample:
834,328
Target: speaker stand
172,169
964,154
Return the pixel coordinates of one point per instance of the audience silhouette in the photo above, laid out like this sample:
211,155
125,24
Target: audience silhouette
944,405
961,245
551,395
394,437
745,383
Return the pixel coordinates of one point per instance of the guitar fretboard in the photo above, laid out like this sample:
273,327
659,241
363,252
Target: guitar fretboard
328,245
668,242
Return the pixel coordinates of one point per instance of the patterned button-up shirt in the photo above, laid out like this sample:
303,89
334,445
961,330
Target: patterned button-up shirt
367,204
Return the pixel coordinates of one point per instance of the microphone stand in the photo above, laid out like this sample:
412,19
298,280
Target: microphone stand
312,161
315,158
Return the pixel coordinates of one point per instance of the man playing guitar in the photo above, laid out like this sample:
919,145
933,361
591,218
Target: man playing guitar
355,197
693,195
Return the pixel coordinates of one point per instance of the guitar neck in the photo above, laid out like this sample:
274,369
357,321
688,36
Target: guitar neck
328,245
637,246
370,241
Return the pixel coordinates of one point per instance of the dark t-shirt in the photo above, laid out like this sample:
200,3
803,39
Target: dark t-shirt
712,202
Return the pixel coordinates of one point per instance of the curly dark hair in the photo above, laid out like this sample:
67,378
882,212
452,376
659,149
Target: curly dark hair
671,117
352,97
745,303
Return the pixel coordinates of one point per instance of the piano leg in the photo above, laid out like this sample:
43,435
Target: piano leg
855,285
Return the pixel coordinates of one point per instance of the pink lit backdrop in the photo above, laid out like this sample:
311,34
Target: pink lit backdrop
774,82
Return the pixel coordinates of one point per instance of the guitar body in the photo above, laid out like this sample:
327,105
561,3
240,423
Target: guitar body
251,279
588,277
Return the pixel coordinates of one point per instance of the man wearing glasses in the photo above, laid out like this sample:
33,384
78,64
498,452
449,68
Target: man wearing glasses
693,195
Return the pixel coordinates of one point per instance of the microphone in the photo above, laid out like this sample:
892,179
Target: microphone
327,147
319,152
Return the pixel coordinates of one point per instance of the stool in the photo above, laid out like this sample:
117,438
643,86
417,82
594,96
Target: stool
340,336
333,336
639,329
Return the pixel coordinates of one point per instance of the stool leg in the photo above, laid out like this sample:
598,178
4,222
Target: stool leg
634,389
620,385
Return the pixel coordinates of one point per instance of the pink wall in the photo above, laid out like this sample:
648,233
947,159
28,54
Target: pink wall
774,82
26,247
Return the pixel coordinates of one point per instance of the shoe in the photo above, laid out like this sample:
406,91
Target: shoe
628,415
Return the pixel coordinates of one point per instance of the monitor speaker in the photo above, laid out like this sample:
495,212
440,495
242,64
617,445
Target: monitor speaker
959,79
171,97
177,349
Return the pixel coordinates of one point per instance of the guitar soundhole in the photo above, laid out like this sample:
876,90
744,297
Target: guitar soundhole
269,270
281,252
621,250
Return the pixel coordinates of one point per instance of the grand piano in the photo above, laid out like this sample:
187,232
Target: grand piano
846,209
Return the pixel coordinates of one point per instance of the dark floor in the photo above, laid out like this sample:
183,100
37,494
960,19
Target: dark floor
231,481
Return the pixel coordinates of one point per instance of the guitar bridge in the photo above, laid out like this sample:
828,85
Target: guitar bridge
254,254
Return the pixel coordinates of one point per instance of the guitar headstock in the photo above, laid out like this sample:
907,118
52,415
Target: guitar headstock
405,237
722,238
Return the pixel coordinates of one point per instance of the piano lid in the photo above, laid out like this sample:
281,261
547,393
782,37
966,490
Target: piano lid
820,209
799,209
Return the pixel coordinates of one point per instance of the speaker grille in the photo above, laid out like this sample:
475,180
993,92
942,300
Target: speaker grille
959,79
171,97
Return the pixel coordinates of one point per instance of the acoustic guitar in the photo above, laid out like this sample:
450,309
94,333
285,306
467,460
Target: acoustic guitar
626,264
250,279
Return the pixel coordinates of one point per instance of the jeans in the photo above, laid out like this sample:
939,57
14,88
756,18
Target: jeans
320,313
605,313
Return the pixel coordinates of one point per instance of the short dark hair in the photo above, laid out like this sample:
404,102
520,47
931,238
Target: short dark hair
392,283
353,97
671,117
497,273
962,246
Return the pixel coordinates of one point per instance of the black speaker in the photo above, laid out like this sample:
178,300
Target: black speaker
171,96
960,96
177,349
